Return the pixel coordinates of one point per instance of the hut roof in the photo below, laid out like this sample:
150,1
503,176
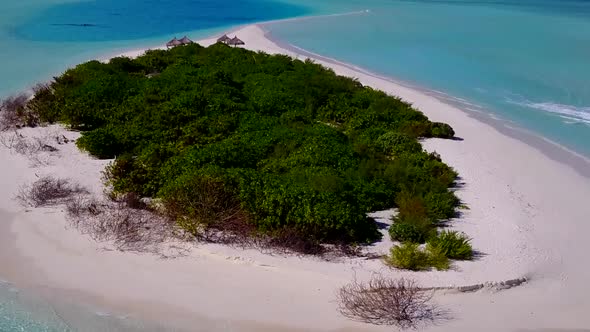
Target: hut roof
223,39
185,40
173,42
236,41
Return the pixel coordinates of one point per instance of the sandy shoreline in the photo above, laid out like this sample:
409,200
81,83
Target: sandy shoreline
526,216
551,149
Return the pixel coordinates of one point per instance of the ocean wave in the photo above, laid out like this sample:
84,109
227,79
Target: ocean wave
578,114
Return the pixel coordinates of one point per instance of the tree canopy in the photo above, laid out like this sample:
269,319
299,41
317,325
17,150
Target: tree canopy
220,134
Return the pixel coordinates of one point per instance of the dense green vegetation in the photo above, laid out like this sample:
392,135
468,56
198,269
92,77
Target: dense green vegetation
452,244
410,256
229,138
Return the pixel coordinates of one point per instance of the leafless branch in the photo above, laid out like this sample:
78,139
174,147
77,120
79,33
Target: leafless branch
128,228
34,148
15,114
48,191
383,301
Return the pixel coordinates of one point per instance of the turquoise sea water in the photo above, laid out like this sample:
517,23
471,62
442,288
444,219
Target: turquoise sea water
28,312
526,61
40,38
523,60
15,315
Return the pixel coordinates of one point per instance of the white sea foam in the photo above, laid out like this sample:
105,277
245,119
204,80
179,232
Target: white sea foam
572,120
580,114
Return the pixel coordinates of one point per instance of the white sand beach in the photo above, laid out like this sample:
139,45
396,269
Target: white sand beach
528,217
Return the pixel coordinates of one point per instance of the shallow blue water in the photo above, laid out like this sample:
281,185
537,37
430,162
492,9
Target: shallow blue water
40,38
14,316
26,312
527,61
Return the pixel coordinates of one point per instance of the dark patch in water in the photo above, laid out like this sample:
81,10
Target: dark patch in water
137,19
75,24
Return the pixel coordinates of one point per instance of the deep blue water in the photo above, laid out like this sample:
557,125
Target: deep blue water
108,20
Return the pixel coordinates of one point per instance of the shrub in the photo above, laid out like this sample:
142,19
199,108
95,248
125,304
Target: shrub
44,103
394,143
416,129
441,130
318,208
410,256
452,244
382,301
411,208
290,240
200,201
101,143
437,259
440,205
131,200
295,146
407,232
426,209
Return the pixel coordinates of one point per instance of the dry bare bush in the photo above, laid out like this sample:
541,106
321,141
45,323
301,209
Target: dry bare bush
15,114
10,109
83,206
238,231
47,191
133,201
33,148
133,224
384,301
291,241
207,205
127,228
208,212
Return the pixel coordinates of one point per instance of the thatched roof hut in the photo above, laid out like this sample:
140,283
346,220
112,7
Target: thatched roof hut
235,41
223,39
185,40
174,42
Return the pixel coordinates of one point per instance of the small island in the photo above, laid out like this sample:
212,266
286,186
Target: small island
225,145
223,178
234,144
231,184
